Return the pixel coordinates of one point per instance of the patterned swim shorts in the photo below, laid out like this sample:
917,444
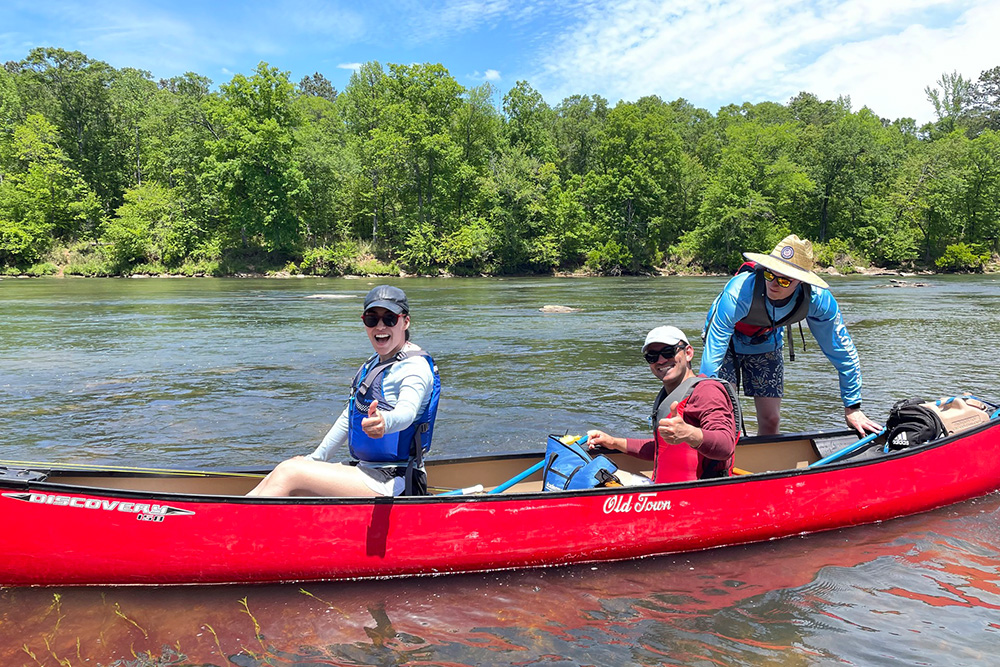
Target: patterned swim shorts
761,374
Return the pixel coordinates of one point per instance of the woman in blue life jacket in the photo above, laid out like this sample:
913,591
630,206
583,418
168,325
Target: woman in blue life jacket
743,331
387,423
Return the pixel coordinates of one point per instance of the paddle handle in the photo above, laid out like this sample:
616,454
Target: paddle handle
517,478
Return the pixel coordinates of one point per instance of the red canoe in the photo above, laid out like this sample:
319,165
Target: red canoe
78,526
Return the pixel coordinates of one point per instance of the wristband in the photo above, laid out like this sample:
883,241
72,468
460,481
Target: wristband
856,406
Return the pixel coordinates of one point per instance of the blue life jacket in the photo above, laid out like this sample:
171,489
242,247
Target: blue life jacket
406,446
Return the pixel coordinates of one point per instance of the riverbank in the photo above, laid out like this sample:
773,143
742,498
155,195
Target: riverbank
61,272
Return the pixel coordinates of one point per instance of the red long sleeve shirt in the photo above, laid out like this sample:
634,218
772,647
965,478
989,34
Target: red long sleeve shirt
709,409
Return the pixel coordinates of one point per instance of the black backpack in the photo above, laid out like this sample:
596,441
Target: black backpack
910,423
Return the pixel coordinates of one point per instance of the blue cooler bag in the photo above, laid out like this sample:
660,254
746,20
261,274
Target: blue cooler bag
568,466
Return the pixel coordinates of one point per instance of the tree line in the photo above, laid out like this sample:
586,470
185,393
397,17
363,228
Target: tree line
105,171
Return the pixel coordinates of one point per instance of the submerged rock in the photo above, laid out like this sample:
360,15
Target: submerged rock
905,283
558,309
330,296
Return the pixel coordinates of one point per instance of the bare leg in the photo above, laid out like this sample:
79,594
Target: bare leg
305,477
768,414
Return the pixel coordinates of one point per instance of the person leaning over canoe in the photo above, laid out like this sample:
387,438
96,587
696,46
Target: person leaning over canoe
696,418
743,331
388,421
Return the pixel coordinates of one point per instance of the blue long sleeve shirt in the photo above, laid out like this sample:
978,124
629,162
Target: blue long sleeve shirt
824,321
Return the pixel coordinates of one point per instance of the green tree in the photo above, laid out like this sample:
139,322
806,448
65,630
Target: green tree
177,133
578,125
986,99
476,131
636,197
515,198
425,100
318,85
74,93
148,228
252,163
132,91
321,150
752,198
953,102
530,122
853,161
982,199
42,199
10,103
379,149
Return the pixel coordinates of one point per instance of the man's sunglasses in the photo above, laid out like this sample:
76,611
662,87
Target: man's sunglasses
667,352
782,280
371,319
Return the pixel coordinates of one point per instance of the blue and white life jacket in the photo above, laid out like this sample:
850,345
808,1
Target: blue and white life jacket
402,447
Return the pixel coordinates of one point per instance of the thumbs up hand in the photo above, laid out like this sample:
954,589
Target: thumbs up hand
374,424
673,429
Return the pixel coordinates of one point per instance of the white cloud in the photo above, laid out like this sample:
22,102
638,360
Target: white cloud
881,54
432,20
354,67
319,17
491,75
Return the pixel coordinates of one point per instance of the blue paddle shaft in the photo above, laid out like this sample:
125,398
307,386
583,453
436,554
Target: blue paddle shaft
517,478
839,454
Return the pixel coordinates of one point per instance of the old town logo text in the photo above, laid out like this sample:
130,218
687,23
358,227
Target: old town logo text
143,511
644,502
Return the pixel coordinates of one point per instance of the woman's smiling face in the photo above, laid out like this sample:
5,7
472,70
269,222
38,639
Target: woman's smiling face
386,340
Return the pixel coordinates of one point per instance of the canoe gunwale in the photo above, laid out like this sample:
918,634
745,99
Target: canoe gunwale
53,485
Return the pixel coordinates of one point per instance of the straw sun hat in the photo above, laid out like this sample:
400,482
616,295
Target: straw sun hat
793,257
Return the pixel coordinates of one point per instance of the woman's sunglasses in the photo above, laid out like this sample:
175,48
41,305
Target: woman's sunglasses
782,280
371,319
667,352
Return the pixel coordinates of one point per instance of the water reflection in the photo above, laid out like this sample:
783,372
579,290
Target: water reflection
921,590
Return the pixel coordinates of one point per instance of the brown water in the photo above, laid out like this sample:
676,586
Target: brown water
192,373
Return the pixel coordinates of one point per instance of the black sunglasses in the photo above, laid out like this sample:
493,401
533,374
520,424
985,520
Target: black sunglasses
667,352
371,319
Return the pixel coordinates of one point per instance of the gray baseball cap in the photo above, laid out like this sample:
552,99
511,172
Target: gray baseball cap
391,298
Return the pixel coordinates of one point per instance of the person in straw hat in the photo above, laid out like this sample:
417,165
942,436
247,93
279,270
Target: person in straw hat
743,331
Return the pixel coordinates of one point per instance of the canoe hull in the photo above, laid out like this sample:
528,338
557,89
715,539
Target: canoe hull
72,535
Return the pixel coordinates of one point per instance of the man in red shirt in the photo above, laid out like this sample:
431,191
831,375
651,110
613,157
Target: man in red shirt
697,419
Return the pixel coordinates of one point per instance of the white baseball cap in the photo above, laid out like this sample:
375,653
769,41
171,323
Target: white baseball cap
664,335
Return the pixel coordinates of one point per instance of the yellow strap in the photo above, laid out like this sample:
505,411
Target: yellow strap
102,468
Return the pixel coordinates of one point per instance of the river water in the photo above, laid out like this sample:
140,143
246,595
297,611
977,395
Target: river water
219,373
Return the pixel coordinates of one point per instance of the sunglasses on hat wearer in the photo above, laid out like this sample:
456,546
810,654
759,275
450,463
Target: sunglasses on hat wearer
782,280
371,318
667,352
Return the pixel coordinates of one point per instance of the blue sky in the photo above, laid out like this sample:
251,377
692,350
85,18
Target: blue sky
881,53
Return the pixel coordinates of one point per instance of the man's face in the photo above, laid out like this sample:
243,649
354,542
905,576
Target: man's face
672,361
779,286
